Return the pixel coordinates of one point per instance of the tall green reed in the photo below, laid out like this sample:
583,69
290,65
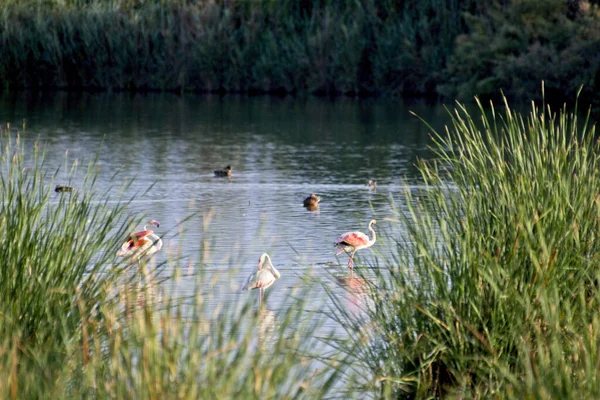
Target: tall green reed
494,280
75,323
54,250
328,47
53,245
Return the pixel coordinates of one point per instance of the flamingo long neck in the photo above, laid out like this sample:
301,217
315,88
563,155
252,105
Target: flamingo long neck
156,241
276,273
374,237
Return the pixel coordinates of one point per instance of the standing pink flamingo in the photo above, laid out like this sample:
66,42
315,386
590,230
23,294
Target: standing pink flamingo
264,276
141,244
351,242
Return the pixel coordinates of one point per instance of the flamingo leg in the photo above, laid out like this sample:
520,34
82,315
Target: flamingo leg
351,260
260,297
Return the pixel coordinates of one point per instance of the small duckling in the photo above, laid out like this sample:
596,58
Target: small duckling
61,189
224,172
372,185
312,202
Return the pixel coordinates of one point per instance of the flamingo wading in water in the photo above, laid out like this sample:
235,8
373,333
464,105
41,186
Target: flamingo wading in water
351,242
141,244
264,276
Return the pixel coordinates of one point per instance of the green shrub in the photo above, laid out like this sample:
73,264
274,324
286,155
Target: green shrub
514,47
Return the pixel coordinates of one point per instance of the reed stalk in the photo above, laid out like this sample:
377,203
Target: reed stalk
493,287
333,47
76,323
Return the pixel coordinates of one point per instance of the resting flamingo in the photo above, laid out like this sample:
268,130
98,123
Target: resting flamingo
264,276
141,244
351,242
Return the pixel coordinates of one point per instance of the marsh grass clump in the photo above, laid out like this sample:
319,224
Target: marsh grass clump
323,47
186,348
494,287
74,322
152,347
54,252
52,247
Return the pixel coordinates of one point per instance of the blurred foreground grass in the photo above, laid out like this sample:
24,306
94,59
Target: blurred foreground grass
493,290
73,323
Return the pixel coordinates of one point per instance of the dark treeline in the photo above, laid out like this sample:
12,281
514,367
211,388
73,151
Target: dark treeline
453,48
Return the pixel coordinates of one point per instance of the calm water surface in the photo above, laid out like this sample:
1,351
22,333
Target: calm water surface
281,149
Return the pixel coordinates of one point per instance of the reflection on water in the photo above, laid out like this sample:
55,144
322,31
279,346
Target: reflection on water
356,297
138,290
281,150
267,328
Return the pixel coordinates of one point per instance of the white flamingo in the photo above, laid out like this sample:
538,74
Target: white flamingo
351,242
141,244
264,276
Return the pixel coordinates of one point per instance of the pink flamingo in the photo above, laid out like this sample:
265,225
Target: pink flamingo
144,243
264,276
351,242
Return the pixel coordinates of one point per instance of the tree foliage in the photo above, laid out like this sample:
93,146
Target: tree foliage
513,47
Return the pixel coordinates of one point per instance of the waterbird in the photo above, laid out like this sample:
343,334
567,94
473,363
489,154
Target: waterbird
141,244
351,242
62,188
224,172
312,202
264,276
372,185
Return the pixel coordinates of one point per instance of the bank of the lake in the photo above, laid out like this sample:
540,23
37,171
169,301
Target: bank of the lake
341,47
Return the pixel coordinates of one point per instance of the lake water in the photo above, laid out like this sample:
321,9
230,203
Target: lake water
281,150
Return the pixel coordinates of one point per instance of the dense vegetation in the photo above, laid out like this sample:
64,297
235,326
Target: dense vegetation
494,289
75,323
367,47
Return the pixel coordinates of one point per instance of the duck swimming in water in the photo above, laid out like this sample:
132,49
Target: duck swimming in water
312,201
61,188
224,172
